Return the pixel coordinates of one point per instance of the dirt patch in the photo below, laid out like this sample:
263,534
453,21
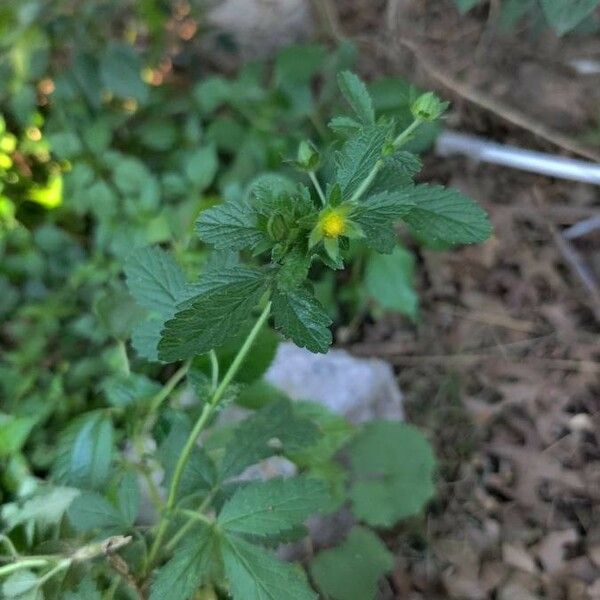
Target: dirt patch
503,369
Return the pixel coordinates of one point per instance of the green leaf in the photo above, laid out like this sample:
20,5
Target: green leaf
230,226
118,313
358,156
445,215
465,6
90,511
397,172
191,566
565,15
393,466
300,317
275,428
145,337
377,214
352,570
201,167
215,315
254,574
128,497
273,507
155,280
85,451
389,280
86,590
22,585
14,432
123,390
120,72
199,473
357,96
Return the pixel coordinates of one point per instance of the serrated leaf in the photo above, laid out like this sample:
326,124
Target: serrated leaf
230,226
357,96
351,571
90,511
254,574
215,315
393,466
565,15
397,172
272,507
445,215
300,317
155,280
344,125
254,437
145,337
377,214
85,451
389,281
191,566
358,156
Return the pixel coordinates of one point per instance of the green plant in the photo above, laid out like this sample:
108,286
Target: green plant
208,531
562,15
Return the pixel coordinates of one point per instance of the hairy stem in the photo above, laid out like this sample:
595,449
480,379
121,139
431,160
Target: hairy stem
401,138
205,415
168,388
318,187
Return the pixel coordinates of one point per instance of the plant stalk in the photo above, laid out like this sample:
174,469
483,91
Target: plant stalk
368,180
205,415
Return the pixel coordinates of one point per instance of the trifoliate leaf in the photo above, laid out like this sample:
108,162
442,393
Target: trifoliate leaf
215,315
272,507
192,565
351,571
376,216
254,574
230,226
300,317
356,94
273,429
358,156
393,467
389,281
445,215
155,280
90,511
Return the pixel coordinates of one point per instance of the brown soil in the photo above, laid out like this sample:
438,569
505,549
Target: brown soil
503,371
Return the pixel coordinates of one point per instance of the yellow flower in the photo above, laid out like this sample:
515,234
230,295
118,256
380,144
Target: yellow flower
333,224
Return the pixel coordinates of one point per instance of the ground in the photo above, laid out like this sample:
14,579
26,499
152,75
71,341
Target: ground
502,370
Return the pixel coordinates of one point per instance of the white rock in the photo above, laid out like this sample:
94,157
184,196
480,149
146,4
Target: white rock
261,26
357,388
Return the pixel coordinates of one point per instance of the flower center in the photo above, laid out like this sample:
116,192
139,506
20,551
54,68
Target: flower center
333,225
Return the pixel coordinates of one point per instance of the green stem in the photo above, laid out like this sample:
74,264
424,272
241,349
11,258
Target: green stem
196,516
368,180
124,358
317,185
61,566
172,543
23,564
205,415
169,386
214,367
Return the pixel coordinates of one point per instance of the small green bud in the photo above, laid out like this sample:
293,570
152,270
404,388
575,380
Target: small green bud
308,156
428,107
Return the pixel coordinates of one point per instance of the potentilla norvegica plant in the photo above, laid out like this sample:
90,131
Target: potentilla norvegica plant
172,514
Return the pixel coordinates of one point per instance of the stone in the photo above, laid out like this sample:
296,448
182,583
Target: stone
259,27
359,389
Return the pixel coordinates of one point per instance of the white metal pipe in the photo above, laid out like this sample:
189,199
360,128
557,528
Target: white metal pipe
480,149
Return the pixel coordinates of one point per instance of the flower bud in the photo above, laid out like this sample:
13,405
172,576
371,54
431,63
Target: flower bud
428,107
308,156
